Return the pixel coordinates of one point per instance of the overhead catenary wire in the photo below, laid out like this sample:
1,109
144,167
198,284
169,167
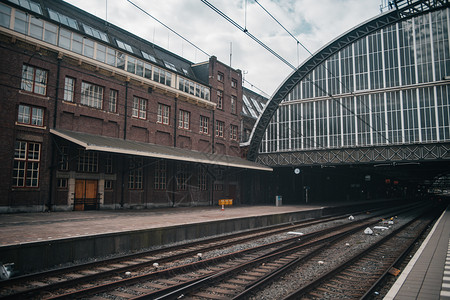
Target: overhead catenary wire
245,30
170,29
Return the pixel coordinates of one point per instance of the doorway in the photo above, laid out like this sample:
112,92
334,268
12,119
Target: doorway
86,197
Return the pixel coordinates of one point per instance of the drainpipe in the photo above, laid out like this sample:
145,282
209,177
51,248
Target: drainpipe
174,170
122,192
213,132
55,114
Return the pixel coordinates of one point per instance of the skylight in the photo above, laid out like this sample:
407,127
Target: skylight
148,56
95,33
54,15
30,5
124,46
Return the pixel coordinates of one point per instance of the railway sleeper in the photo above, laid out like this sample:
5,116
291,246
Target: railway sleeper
209,296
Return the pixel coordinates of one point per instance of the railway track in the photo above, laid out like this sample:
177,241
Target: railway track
178,267
356,276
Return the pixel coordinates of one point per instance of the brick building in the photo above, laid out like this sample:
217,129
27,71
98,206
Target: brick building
94,117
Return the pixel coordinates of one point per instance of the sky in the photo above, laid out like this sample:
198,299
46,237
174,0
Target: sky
314,23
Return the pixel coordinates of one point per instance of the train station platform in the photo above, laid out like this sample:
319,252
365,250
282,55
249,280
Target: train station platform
37,241
427,275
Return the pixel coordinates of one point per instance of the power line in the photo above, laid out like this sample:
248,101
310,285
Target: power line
244,30
173,31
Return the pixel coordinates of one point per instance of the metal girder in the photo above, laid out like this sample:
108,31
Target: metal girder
365,155
405,9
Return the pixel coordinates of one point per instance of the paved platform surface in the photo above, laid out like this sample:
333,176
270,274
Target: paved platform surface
427,276
37,227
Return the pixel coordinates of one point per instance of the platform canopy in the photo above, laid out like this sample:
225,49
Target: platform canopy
120,146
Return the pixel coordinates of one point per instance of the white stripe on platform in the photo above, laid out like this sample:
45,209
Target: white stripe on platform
399,282
445,293
446,285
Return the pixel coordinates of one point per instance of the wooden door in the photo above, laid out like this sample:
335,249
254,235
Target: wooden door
86,194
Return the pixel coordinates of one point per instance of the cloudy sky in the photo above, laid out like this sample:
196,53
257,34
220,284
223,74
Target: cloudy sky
313,22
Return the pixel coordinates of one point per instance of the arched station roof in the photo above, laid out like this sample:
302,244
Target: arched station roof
402,9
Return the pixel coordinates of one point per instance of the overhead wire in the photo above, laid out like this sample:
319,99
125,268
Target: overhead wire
245,30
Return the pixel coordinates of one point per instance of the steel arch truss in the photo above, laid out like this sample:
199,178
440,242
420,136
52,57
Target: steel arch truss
380,155
405,9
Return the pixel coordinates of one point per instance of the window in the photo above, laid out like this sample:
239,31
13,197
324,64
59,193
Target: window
220,99
220,76
162,76
219,128
31,5
204,124
69,89
62,18
135,177
160,175
95,33
163,114
112,107
109,164
233,132
30,115
91,95
62,183
5,15
63,158
170,65
234,83
183,120
139,108
34,80
124,46
233,104
148,56
87,161
27,156
182,177
108,184
202,179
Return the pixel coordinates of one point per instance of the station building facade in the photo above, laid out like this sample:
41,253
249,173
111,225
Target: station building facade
94,117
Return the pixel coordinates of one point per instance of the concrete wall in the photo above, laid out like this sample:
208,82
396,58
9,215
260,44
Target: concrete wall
52,254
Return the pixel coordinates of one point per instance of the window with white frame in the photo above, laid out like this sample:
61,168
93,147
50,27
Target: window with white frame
139,108
233,132
34,80
91,95
163,116
113,101
219,128
27,158
69,89
30,115
183,120
204,124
